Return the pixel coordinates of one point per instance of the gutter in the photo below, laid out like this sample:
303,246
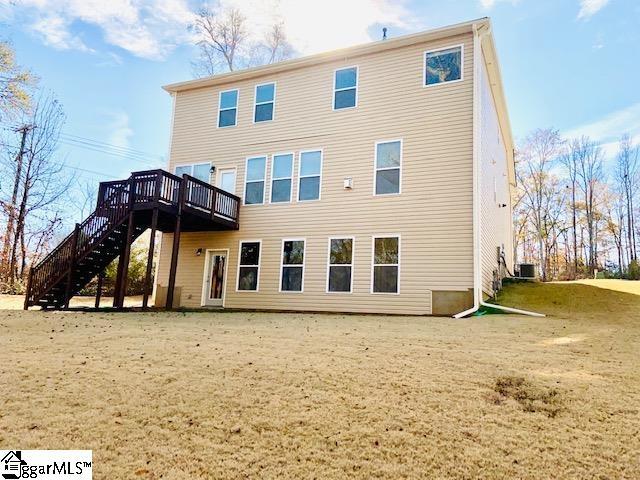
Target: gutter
480,30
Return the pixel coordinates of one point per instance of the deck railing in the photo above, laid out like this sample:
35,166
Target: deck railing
147,189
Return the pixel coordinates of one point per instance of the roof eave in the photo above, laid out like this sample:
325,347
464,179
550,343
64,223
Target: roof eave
341,54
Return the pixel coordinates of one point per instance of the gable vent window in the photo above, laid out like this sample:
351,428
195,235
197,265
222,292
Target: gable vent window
265,102
228,108
345,88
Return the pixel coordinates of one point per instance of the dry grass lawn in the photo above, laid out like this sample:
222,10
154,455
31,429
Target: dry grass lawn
254,395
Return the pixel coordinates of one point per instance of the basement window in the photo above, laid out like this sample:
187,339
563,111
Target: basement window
345,88
281,176
292,270
249,266
340,270
443,65
388,164
227,108
254,180
264,102
386,265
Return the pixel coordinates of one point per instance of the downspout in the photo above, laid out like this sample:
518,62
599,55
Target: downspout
478,32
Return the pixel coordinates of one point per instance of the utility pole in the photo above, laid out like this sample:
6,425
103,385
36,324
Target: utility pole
14,198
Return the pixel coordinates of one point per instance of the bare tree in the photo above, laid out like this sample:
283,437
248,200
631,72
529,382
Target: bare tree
15,83
43,184
570,162
225,45
627,176
590,174
542,195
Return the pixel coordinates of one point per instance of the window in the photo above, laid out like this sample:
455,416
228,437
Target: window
201,171
228,108
292,272
443,65
249,266
310,174
281,173
340,272
386,265
265,102
345,88
254,180
388,163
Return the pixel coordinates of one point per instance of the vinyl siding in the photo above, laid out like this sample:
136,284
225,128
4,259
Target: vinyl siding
496,223
432,214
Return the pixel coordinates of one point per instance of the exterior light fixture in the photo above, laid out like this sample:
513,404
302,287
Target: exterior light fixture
198,252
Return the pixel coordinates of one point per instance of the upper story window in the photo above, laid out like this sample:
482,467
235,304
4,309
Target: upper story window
310,175
254,180
444,65
265,102
228,108
281,175
345,88
388,165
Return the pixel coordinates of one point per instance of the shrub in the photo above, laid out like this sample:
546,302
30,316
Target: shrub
634,270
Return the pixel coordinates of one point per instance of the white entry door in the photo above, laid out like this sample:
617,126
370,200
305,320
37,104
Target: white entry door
227,180
215,277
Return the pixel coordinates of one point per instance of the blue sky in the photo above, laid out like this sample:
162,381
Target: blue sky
568,64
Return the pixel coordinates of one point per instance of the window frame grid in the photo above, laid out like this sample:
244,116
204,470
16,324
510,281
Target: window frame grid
256,103
293,163
373,264
259,242
329,264
282,265
300,176
264,179
441,49
237,90
333,96
376,169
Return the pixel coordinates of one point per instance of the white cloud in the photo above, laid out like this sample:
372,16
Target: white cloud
489,4
152,29
589,8
608,130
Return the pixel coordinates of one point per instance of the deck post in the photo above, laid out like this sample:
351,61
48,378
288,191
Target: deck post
72,264
152,242
99,289
176,245
122,292
27,292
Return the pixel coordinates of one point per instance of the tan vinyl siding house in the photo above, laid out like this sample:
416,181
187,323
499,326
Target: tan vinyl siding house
431,216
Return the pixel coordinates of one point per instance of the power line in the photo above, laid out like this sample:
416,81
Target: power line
147,163
128,150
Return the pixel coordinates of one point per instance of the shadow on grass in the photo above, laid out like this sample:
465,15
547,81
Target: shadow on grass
571,300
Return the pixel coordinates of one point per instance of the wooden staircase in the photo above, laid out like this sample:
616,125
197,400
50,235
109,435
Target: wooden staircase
125,209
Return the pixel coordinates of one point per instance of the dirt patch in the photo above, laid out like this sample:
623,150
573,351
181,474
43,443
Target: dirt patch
531,397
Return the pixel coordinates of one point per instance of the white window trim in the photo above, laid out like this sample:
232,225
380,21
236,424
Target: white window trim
282,265
293,161
207,258
376,169
192,166
333,96
256,103
244,184
240,265
440,49
219,177
373,255
329,264
300,177
231,108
